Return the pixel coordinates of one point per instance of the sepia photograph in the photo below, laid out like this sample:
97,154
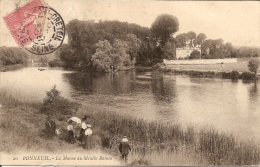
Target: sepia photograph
129,83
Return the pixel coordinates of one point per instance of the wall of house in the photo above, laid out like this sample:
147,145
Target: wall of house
185,52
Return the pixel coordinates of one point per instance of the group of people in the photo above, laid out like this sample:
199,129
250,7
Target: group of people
84,134
85,131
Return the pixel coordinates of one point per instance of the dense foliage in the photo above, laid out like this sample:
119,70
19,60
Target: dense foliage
100,45
253,65
12,55
163,27
55,104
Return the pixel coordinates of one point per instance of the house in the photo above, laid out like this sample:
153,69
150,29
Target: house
186,51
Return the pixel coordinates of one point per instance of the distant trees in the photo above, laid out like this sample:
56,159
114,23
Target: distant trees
181,40
120,54
253,65
126,45
191,37
84,36
163,27
12,55
201,38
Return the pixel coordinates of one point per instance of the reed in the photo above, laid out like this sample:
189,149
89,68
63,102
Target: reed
150,138
12,98
153,143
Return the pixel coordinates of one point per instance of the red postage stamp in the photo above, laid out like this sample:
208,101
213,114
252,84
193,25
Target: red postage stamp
21,22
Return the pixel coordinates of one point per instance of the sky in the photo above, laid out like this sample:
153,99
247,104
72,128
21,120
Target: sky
237,22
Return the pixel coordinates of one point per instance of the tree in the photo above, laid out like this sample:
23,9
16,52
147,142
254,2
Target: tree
44,60
164,26
181,40
201,38
228,48
68,56
133,46
195,55
191,36
253,65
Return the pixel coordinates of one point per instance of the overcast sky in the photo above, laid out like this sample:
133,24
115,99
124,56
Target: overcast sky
236,22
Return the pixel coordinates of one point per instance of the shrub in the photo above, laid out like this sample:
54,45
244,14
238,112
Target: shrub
55,63
157,66
54,104
247,76
234,75
253,65
226,75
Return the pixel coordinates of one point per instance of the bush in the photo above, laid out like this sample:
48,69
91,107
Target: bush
54,104
157,66
55,63
253,65
247,76
226,75
234,75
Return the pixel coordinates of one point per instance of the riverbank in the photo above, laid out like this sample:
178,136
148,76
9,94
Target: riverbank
152,143
21,129
232,71
11,67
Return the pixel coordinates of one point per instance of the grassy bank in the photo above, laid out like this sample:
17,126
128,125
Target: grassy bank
240,66
212,70
196,146
153,143
11,67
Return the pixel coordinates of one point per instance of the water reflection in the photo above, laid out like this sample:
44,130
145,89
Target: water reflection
228,106
254,92
164,89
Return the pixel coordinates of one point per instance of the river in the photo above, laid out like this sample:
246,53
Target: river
231,107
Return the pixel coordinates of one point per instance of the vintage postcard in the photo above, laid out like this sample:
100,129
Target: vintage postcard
129,83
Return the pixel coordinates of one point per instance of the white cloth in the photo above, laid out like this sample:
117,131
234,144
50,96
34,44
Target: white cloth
75,119
124,140
70,127
88,132
83,125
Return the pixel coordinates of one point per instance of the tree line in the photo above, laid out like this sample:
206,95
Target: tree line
101,45
12,55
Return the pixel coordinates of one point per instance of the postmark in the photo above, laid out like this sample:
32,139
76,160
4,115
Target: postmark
51,29
36,27
21,23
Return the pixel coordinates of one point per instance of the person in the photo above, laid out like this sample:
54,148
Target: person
83,128
87,139
50,127
124,148
70,132
53,126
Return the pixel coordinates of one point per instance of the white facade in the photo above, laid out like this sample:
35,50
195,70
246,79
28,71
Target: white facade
186,51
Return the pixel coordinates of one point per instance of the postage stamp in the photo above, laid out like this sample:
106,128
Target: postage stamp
36,27
21,23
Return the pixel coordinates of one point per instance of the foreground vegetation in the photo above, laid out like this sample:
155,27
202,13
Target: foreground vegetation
153,143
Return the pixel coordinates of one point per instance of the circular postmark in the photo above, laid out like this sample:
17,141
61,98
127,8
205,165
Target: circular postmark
50,31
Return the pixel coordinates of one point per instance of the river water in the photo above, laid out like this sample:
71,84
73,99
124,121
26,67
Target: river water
228,106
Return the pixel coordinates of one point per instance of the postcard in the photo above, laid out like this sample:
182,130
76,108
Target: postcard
129,83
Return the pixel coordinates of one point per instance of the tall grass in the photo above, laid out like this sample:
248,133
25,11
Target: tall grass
150,138
153,143
15,98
